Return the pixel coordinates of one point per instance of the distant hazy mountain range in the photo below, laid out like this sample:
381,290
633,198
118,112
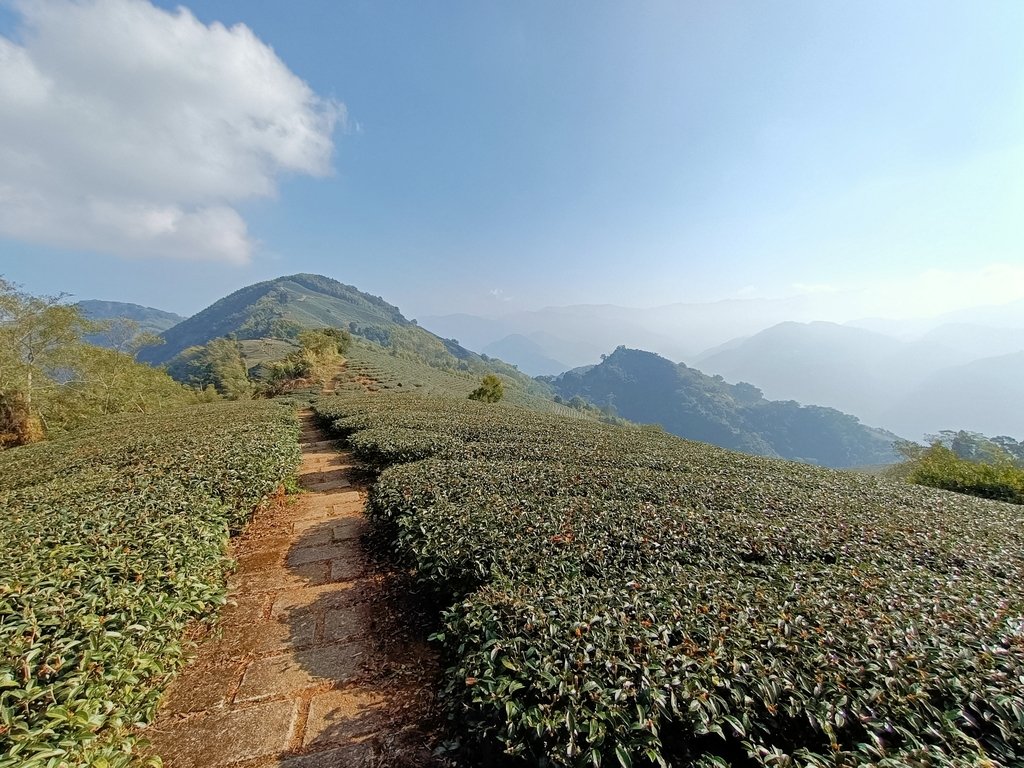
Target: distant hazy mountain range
955,371
953,377
149,320
577,335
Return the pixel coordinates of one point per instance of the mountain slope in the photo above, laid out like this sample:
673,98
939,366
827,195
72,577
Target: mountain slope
278,309
981,396
281,308
149,320
645,387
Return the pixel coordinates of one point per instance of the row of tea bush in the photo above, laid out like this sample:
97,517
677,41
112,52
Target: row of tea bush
617,596
112,540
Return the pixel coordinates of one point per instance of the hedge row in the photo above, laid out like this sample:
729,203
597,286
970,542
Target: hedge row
111,541
621,597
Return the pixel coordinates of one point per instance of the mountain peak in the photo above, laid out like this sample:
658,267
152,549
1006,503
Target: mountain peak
279,308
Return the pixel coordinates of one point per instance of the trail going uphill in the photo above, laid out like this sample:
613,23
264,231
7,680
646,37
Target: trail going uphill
311,664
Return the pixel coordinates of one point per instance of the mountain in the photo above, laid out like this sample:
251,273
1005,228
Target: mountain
823,363
678,331
981,396
869,374
279,309
526,353
647,388
149,320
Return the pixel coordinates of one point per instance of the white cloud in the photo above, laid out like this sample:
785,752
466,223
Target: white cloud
125,128
499,294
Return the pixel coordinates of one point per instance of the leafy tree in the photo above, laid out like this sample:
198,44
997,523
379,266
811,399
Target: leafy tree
939,467
325,342
491,389
122,334
967,462
37,339
105,381
52,380
217,364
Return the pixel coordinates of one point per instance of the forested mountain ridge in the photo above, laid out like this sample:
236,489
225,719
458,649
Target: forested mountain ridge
647,388
281,308
148,319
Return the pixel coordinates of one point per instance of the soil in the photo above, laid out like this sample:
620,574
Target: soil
320,658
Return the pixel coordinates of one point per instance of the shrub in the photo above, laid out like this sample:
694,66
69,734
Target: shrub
113,539
940,467
491,389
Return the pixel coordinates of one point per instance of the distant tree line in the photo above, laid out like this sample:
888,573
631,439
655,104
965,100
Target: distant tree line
968,462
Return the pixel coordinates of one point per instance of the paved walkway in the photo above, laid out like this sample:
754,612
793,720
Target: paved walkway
310,666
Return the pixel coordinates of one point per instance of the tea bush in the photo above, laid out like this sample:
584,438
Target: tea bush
112,540
622,597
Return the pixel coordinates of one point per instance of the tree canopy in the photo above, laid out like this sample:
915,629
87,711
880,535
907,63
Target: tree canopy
491,389
52,380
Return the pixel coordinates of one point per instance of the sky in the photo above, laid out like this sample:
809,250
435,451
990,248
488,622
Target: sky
486,157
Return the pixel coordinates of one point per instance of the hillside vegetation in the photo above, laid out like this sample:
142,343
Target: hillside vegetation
53,380
621,597
144,319
111,541
646,388
967,462
372,369
278,310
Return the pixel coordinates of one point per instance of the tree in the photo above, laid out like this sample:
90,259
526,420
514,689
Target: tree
122,334
38,335
217,364
51,379
491,389
318,357
37,339
325,342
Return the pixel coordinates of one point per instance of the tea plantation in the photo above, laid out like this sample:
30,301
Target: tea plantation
616,596
384,372
111,541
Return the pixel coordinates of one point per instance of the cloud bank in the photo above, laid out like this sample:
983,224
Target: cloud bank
132,130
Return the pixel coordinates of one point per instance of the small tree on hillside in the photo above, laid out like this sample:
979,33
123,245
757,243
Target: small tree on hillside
491,389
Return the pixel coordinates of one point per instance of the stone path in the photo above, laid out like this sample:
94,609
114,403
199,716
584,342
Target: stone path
311,665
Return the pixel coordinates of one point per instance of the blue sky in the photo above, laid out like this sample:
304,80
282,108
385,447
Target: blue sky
489,156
